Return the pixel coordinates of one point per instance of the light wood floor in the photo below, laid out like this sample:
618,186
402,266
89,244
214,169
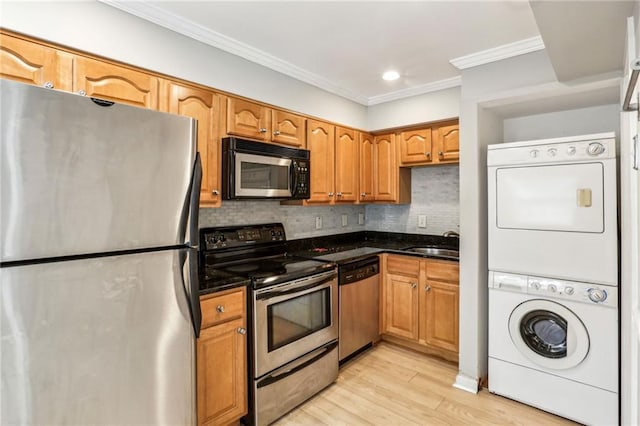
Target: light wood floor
389,385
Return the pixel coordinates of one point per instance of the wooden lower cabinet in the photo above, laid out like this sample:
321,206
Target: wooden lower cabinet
420,304
221,360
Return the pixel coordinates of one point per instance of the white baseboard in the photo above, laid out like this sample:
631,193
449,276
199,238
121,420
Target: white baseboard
466,383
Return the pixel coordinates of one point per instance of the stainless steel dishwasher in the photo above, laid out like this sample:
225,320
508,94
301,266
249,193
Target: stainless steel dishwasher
359,297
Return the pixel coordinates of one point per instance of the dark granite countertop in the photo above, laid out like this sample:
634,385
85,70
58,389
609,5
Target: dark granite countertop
219,281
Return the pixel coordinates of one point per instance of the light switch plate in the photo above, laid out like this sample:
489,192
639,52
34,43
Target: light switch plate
318,222
360,218
422,221
345,220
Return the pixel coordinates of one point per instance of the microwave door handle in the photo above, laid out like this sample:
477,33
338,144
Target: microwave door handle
294,177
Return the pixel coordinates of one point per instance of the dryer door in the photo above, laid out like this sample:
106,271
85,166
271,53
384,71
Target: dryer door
549,334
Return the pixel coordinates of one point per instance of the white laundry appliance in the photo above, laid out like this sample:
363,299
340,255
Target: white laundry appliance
553,344
553,275
552,208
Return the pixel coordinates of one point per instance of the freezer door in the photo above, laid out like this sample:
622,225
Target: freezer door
102,341
79,177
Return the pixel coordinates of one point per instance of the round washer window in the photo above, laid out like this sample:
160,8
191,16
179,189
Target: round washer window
549,334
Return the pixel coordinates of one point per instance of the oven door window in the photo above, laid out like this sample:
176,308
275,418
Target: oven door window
262,176
295,318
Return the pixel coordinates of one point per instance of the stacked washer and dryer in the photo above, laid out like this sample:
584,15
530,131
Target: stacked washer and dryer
553,275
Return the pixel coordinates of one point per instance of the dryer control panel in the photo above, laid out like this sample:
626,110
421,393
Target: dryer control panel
555,289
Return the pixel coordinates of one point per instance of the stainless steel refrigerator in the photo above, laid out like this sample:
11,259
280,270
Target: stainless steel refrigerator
99,292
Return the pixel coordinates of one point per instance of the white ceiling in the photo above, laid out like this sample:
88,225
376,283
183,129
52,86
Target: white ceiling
344,47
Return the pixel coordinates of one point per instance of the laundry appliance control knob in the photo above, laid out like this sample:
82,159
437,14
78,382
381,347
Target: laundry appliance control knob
534,153
552,288
552,152
571,150
597,295
535,285
569,290
595,148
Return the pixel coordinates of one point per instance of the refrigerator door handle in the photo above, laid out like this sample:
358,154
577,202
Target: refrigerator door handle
192,204
190,284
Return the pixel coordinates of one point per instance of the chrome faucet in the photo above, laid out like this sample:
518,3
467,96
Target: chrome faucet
451,234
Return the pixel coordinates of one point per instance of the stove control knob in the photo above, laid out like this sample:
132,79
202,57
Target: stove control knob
571,150
535,285
597,295
552,152
552,288
569,291
595,148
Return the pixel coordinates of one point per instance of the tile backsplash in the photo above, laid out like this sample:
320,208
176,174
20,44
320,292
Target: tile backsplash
435,194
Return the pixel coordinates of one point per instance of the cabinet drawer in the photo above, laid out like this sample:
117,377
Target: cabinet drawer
222,307
403,265
443,271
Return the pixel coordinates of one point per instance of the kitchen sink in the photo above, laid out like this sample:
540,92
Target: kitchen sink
435,251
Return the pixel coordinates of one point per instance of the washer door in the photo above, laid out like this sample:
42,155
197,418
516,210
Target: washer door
549,334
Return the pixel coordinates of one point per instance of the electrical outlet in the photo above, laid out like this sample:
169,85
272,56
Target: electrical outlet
345,220
360,218
318,222
422,221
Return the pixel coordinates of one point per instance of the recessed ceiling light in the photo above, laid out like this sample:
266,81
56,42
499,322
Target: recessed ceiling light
390,75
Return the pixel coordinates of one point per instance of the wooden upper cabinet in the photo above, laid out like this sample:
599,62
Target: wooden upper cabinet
203,105
115,83
251,120
32,63
415,146
385,183
366,167
447,143
288,128
346,164
247,119
320,141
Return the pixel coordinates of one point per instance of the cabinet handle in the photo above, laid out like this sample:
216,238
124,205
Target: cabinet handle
220,308
339,194
242,330
427,288
330,194
414,285
276,133
48,85
82,93
428,154
363,194
262,130
440,154
215,192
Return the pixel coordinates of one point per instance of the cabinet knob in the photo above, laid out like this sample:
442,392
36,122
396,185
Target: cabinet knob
363,194
276,133
220,308
427,288
215,192
48,85
414,285
330,194
440,154
428,154
242,330
339,194
82,93
262,130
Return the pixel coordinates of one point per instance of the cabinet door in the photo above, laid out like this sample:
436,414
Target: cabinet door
111,82
346,164
222,373
415,147
247,119
385,183
401,306
32,63
203,105
447,143
288,128
441,305
366,167
320,141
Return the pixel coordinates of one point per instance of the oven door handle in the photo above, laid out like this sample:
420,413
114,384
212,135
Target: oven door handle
296,286
295,366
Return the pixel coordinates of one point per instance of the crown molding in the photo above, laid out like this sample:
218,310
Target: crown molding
415,91
498,53
151,13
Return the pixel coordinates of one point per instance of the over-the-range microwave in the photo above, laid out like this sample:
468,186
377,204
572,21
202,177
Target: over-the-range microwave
254,170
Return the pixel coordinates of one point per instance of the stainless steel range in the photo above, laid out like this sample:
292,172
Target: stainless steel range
293,305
